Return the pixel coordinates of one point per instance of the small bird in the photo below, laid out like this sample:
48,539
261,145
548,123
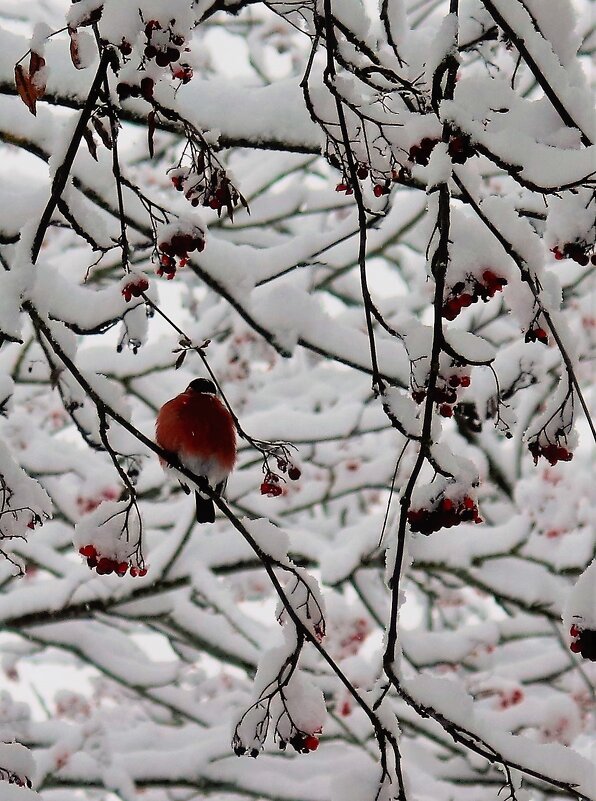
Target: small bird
197,428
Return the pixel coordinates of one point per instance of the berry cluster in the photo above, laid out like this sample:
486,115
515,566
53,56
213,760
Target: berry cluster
104,565
271,486
420,153
351,642
583,642
178,247
381,181
508,699
464,293
446,514
135,288
345,187
578,251
460,149
444,393
162,44
301,742
553,452
205,186
536,334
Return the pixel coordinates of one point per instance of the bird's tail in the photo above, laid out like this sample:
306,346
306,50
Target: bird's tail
205,509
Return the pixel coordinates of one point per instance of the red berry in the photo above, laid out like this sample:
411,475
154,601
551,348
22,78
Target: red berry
311,743
575,647
341,187
454,381
121,568
87,550
574,631
362,173
446,504
105,566
464,381
270,489
294,473
445,410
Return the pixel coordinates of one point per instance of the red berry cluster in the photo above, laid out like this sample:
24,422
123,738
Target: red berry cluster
382,189
301,742
512,698
178,247
536,334
125,47
210,188
446,514
350,644
420,154
578,251
445,392
584,642
344,186
104,565
163,44
271,486
464,293
381,185
460,149
552,452
135,288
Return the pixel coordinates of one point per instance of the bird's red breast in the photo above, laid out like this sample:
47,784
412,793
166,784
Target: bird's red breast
197,425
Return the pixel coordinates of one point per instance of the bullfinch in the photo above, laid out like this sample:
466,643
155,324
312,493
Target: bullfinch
197,428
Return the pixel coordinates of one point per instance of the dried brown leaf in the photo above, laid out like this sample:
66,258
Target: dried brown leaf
75,55
27,92
88,137
103,132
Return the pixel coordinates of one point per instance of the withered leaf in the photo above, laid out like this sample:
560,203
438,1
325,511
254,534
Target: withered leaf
180,360
228,201
103,132
75,56
244,202
36,63
88,137
27,92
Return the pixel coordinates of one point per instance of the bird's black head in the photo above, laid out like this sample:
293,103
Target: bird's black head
203,385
